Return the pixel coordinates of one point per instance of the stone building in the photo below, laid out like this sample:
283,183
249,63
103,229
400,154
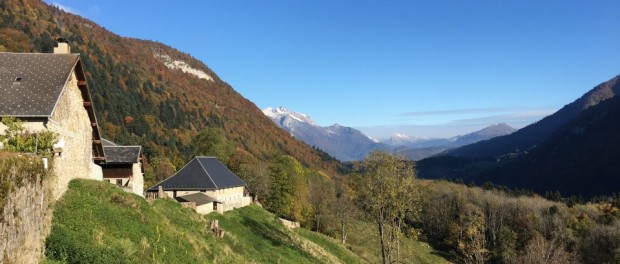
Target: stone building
48,91
123,166
208,184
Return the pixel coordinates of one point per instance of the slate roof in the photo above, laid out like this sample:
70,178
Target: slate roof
31,83
116,154
198,198
201,173
107,143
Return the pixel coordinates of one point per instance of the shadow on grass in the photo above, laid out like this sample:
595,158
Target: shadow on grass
267,232
443,254
439,249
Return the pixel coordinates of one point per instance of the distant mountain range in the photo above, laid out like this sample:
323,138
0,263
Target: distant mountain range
574,151
343,143
347,144
418,149
534,134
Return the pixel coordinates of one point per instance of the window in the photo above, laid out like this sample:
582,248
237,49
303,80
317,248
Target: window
119,182
214,206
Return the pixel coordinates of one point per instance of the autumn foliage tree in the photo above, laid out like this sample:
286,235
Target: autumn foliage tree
212,142
385,190
289,190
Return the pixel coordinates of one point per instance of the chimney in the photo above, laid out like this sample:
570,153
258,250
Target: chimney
62,47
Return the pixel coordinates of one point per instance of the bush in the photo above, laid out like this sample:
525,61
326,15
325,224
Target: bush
16,138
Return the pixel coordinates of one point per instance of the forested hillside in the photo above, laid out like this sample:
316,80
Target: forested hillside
530,136
573,151
151,94
579,159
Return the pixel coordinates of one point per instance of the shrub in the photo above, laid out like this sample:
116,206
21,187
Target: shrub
16,138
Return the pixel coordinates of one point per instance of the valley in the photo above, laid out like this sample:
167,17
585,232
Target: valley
489,185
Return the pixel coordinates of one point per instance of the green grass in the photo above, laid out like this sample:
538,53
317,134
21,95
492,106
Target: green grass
363,240
331,245
255,232
96,222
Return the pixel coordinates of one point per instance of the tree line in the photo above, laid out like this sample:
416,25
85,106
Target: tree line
472,224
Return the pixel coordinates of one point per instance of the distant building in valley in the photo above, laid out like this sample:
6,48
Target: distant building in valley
123,166
207,183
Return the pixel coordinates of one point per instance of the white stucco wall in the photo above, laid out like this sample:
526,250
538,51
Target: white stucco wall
137,179
30,126
205,208
231,198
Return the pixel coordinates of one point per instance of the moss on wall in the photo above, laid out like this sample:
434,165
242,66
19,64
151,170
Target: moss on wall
25,215
16,170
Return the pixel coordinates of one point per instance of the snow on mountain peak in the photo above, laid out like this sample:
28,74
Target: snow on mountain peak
282,113
401,136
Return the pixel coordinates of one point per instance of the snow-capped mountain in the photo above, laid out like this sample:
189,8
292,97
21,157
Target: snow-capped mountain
347,144
284,116
343,143
399,139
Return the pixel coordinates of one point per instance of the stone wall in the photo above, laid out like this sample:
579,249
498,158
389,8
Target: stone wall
70,120
137,179
26,217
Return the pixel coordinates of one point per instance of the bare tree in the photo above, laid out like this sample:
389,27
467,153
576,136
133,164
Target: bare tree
344,210
541,251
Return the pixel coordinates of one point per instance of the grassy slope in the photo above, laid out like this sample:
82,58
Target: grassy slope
364,241
96,222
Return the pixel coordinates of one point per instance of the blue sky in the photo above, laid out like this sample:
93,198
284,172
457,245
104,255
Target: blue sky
422,68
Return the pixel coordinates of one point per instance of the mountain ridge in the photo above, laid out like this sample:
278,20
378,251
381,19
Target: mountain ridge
528,137
576,156
421,149
343,143
349,144
578,159
151,94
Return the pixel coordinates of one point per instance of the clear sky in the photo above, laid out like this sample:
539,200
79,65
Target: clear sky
423,68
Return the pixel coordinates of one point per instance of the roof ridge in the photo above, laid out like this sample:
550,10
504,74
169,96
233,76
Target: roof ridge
175,174
37,53
232,172
207,172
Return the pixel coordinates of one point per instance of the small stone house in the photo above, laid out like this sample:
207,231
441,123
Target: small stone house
123,166
208,184
48,92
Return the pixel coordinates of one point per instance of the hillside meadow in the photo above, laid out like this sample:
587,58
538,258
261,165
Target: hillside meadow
96,222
